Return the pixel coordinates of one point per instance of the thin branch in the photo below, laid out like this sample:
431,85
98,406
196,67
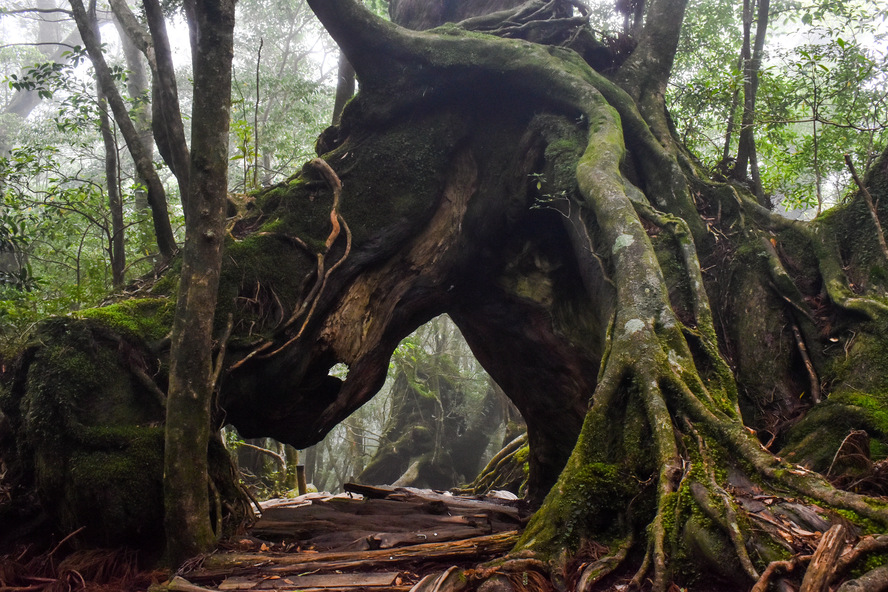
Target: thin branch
53,43
37,10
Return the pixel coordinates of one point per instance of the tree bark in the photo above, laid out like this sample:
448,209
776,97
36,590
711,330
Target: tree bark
746,152
163,231
115,204
167,120
138,88
187,512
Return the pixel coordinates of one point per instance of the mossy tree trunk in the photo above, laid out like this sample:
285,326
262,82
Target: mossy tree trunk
671,344
548,209
188,426
441,420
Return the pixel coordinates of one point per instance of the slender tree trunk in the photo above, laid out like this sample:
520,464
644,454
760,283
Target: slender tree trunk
166,242
115,205
732,116
187,510
137,86
167,113
311,461
746,153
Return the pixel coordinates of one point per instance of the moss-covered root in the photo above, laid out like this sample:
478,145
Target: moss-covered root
648,367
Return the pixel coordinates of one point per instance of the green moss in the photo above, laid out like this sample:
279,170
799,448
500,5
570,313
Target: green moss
147,318
590,502
860,366
872,561
118,470
814,441
866,525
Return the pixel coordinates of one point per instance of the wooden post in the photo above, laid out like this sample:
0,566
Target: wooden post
302,487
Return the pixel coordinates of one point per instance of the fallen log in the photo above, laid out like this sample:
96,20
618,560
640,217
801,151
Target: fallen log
293,563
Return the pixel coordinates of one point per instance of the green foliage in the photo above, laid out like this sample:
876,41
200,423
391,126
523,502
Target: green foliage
55,225
294,98
823,93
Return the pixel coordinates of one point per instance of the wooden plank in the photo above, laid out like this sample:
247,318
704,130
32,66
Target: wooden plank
335,580
503,507
474,549
275,563
238,583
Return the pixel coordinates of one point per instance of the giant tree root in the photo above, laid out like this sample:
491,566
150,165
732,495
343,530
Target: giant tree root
663,445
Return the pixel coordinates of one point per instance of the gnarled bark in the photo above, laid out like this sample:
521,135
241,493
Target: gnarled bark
648,322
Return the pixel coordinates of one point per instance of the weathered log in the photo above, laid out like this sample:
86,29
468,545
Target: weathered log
278,564
823,563
340,581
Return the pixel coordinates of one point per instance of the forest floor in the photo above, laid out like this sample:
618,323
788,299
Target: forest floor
369,539
378,539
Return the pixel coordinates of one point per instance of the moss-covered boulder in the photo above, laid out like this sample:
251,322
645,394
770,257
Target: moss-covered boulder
81,427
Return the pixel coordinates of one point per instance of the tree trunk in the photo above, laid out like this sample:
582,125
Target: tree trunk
166,242
167,120
654,327
187,512
115,204
345,87
752,64
137,86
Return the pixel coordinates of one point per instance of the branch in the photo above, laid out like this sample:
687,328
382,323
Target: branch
37,10
361,35
134,29
53,43
156,193
280,459
167,113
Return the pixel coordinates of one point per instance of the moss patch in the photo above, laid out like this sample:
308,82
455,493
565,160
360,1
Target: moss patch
147,318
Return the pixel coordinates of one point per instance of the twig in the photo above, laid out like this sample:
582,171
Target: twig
220,357
64,540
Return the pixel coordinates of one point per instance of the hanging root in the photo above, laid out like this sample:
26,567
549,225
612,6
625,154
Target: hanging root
323,273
